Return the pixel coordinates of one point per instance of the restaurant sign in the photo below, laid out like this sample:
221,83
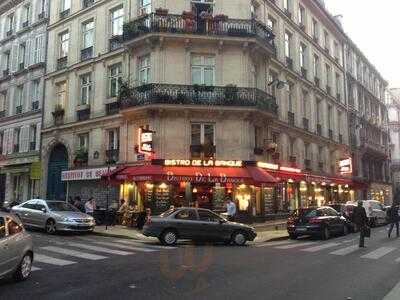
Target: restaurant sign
84,174
345,166
145,141
200,177
202,163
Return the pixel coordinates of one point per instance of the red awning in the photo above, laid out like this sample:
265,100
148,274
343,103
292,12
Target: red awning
248,175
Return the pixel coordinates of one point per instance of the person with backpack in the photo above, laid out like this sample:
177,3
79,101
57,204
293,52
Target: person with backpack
393,218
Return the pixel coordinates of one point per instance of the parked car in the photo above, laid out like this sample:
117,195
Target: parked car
318,221
16,250
197,224
376,212
53,216
346,210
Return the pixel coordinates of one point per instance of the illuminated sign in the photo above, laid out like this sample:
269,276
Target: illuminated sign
202,163
345,166
267,166
145,139
288,169
84,174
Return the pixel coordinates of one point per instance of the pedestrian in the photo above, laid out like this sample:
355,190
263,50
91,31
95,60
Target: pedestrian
141,219
123,212
90,206
360,219
231,210
78,204
393,215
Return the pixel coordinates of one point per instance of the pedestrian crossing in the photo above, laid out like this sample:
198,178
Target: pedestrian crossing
388,250
83,249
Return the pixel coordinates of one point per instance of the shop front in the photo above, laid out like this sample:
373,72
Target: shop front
381,192
160,184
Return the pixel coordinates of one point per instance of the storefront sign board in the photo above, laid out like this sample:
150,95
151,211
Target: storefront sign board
203,163
84,174
345,166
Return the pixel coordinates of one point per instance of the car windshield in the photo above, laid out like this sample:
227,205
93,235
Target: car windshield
306,212
167,213
60,206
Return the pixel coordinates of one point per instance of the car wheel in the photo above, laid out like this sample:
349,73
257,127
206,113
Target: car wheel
345,230
24,268
293,236
50,227
326,233
239,238
169,237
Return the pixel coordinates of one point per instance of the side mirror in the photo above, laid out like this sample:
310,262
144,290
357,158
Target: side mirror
44,210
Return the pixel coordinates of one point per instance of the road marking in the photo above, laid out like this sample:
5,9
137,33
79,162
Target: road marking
294,245
99,249
276,243
394,294
345,251
51,260
378,253
126,247
139,243
73,253
33,269
349,241
321,247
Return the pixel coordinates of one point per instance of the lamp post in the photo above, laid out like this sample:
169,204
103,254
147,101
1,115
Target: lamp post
111,155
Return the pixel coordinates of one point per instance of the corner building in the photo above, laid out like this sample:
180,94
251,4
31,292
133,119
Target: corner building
23,40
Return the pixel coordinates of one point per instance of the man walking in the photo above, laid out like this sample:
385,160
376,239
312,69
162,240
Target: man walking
360,219
393,215
231,210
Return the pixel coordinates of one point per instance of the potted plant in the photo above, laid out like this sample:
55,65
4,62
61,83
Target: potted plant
81,157
161,11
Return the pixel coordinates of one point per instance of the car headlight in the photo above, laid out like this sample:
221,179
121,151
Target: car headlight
65,219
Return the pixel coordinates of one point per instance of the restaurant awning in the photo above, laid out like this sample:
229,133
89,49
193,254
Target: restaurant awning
247,175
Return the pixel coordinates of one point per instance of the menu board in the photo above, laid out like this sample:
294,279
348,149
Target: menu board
269,200
219,199
162,199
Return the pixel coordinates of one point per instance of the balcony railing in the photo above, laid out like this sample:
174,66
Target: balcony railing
115,43
64,13
87,3
62,63
35,105
83,114
87,53
112,108
32,146
196,95
178,24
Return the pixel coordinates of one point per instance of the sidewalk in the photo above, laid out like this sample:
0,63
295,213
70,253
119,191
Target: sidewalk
271,230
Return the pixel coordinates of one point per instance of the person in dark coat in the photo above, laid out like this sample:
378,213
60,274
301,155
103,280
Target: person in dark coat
78,204
393,215
360,219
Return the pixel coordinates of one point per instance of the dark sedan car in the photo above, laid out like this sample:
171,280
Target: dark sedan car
321,221
196,224
346,211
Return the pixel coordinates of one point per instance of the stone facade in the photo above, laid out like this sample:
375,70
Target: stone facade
393,105
23,42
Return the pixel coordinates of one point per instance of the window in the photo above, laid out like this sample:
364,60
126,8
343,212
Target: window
318,111
1,141
320,154
315,30
2,228
186,214
7,61
42,7
307,152
21,55
207,216
19,94
10,24
202,140
37,50
17,133
113,139
272,76
144,7
13,227
305,104
87,34
115,79
303,53
257,137
64,44
316,65
328,75
25,16
203,69
35,90
288,37
336,50
326,40
29,205
302,13
3,101
144,69
271,22
117,21
338,83
339,120
83,142
61,94
290,96
65,5
32,137
329,117
86,89
286,5
291,146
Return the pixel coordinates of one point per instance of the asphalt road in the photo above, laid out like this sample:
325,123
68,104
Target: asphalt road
94,267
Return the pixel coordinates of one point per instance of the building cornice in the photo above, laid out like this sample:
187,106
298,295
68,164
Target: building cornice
8,5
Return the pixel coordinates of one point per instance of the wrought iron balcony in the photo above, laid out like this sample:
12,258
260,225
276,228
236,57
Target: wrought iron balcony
87,53
83,114
35,105
64,13
178,24
112,108
87,3
62,63
32,146
115,43
155,93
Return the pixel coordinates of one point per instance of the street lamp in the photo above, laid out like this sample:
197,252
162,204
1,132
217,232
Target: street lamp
112,157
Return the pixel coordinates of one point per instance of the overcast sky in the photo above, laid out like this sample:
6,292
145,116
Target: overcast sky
375,28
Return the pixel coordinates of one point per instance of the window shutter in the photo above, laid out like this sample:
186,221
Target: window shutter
25,138
28,52
14,58
5,142
38,135
10,141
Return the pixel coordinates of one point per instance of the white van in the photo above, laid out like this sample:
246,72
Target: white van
376,212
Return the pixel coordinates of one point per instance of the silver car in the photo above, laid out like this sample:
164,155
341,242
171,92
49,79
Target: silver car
53,216
16,251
